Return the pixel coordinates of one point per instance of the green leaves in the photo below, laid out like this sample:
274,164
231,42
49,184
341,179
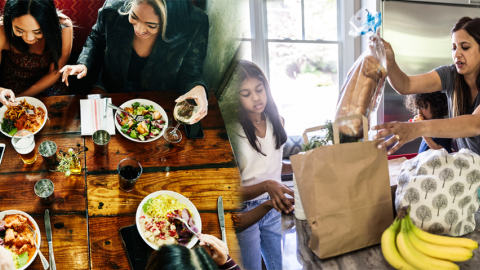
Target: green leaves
22,259
317,141
134,134
12,132
147,205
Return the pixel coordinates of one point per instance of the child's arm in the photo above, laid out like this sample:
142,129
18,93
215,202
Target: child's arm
275,189
433,145
251,217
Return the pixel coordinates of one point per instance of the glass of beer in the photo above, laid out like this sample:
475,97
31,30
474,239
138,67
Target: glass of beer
24,142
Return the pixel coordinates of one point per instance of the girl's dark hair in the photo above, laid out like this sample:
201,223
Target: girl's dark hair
250,70
173,257
461,92
436,101
173,15
45,14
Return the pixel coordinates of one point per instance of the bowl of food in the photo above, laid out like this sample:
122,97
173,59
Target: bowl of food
16,118
156,224
152,126
17,238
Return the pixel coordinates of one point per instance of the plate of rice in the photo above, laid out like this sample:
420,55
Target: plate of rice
155,222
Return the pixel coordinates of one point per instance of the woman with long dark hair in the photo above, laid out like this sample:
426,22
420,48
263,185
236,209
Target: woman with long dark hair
36,42
212,257
147,45
460,82
257,144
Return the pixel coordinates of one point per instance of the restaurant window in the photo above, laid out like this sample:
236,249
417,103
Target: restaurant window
301,46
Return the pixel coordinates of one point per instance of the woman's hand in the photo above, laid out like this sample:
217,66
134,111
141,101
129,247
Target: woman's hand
200,97
277,191
80,70
3,97
6,260
388,51
402,134
218,250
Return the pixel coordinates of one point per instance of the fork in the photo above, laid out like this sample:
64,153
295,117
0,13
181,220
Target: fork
188,227
28,111
138,118
42,258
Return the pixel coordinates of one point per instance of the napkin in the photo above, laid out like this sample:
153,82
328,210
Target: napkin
91,116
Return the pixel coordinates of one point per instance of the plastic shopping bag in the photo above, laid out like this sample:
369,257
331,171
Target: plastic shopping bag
363,87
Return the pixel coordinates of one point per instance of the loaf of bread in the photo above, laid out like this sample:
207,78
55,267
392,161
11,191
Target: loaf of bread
359,93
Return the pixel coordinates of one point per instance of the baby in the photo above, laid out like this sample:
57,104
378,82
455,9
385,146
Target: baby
429,106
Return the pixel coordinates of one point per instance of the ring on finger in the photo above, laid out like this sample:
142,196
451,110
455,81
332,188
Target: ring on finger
398,137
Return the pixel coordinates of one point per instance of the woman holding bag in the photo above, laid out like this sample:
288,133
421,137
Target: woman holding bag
460,82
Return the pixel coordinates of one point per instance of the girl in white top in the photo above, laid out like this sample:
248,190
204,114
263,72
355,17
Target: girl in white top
258,150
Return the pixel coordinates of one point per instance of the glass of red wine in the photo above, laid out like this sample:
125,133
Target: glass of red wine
129,170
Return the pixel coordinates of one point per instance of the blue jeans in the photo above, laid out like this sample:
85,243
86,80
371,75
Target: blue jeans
262,239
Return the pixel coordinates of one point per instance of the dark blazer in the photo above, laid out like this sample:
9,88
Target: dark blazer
175,65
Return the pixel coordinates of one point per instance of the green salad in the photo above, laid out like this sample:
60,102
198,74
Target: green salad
149,128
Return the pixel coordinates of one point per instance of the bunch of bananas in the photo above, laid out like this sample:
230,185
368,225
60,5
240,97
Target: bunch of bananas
406,247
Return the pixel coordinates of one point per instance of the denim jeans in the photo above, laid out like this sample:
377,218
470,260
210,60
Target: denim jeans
263,239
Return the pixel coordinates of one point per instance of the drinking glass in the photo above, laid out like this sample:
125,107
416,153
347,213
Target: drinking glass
129,170
44,189
183,113
24,143
101,138
48,151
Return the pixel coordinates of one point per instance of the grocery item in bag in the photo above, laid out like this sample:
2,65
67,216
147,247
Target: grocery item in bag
441,189
362,90
345,193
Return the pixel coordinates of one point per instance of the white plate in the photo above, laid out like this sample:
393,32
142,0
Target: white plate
30,100
182,199
142,102
35,226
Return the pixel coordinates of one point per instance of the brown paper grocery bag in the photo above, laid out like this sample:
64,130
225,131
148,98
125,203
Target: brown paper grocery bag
345,193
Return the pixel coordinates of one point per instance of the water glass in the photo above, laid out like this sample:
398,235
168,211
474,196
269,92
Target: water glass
129,170
24,143
48,151
44,189
101,138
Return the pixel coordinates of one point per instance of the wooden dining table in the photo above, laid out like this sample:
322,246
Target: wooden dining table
89,208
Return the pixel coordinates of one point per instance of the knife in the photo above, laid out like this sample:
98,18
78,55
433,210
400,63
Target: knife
48,231
221,218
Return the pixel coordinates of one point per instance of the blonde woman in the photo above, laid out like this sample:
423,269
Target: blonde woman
147,45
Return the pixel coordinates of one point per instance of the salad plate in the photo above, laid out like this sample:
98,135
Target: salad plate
150,129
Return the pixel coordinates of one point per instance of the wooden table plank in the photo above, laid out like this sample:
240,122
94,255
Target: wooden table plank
106,247
70,242
17,192
12,162
63,114
212,151
202,187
